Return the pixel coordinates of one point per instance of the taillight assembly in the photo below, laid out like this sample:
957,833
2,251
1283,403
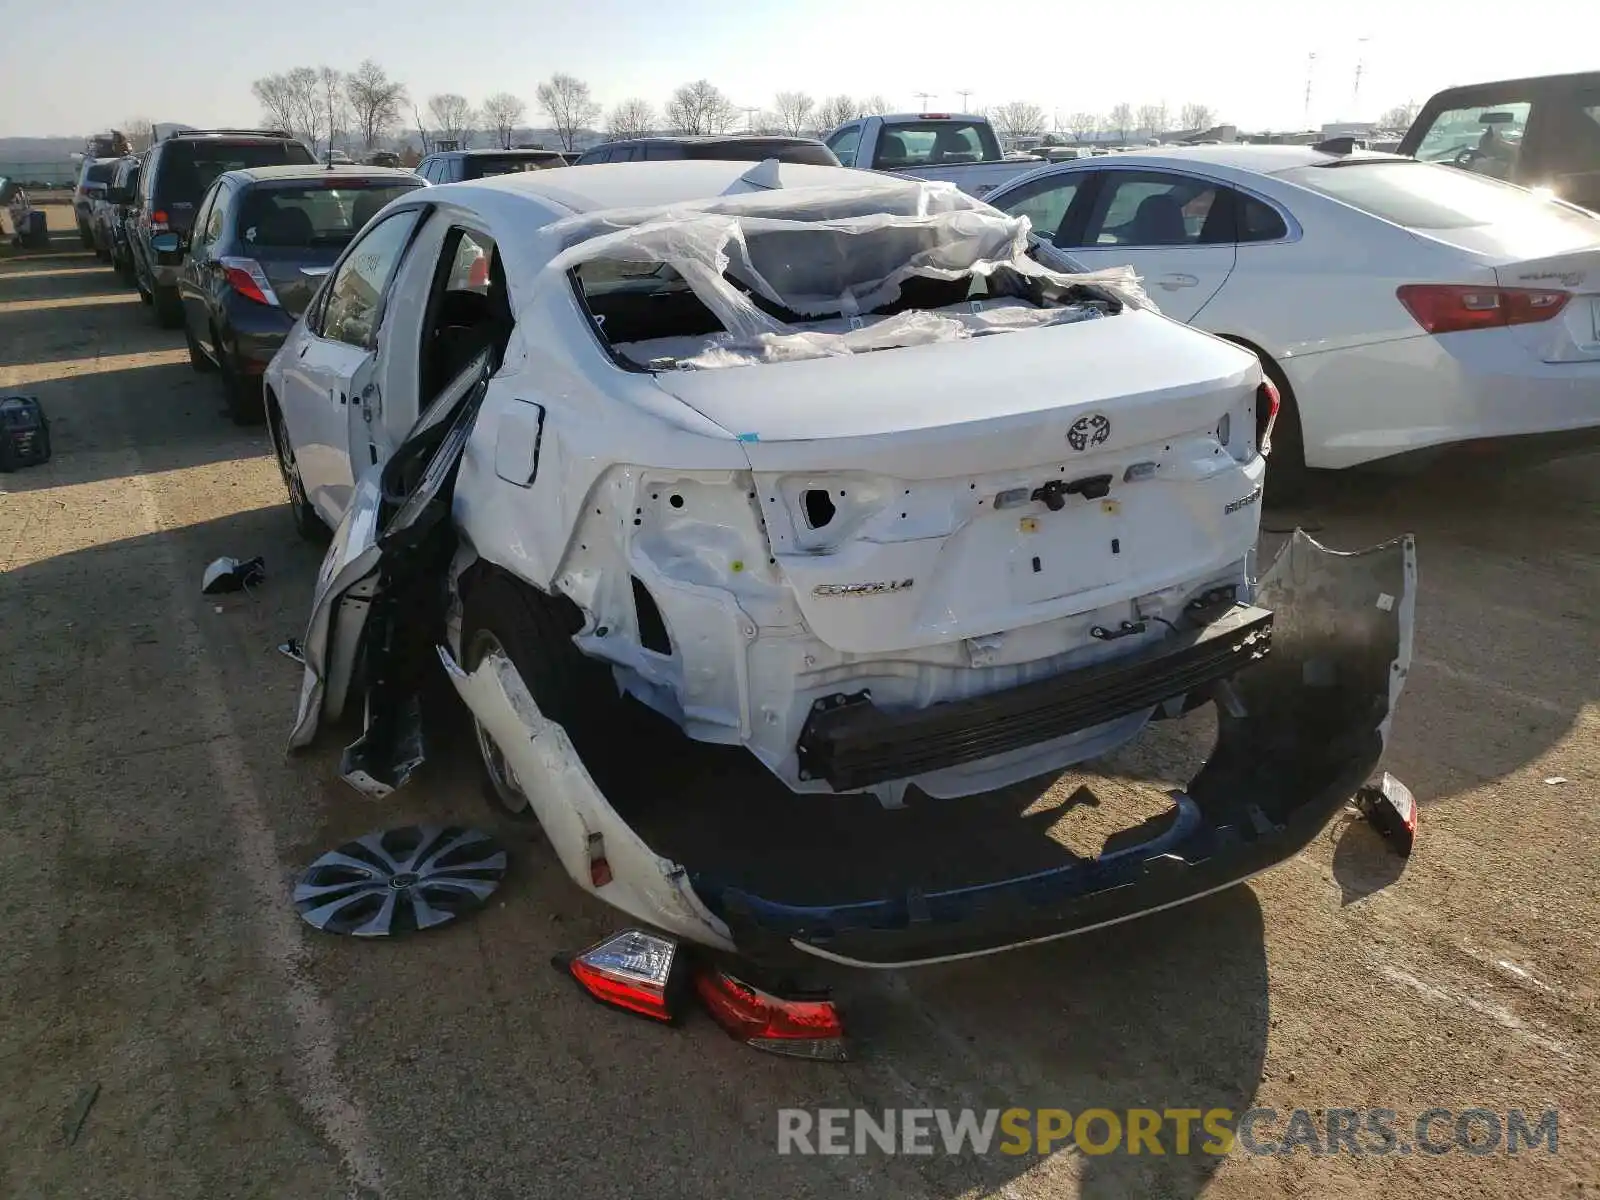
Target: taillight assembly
1456,307
245,276
1267,394
798,1028
633,970
646,974
158,219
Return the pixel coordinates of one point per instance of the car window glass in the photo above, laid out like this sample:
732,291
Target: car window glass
658,151
355,294
1045,202
1138,208
845,143
934,143
1569,135
288,217
1486,140
1259,222
1419,196
469,267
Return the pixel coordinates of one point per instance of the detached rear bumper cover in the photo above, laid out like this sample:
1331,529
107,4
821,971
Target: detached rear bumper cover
1317,714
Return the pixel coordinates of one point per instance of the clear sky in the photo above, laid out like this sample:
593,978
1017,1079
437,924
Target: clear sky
76,66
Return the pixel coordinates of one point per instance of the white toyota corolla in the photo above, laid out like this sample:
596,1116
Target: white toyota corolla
1402,308
759,514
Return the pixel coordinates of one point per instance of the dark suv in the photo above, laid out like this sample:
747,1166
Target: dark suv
176,173
453,166
748,147
263,240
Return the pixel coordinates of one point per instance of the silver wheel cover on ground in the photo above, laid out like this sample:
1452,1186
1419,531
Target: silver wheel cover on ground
396,881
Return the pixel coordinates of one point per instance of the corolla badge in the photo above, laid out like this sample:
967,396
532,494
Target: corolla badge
1088,431
878,588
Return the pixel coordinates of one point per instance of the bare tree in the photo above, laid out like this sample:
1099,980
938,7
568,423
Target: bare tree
874,103
503,112
331,99
1018,119
375,102
1153,118
1084,125
139,131
292,100
1398,117
1197,116
793,112
1120,119
452,117
566,101
834,112
700,107
631,118
422,130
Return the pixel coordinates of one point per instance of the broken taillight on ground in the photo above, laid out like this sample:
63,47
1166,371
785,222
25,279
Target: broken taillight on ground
1392,810
645,973
633,970
804,1028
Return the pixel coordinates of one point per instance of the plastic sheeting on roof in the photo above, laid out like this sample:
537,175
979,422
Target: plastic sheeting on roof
819,253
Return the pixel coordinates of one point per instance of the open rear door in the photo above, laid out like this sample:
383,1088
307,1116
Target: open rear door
396,530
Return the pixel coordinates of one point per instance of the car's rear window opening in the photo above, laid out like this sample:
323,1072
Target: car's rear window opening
1422,196
300,216
805,292
100,173
188,168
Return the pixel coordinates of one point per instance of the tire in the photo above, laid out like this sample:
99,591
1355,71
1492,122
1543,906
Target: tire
138,285
169,308
86,238
241,393
197,356
306,522
534,631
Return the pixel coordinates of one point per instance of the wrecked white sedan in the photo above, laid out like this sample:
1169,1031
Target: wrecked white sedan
758,513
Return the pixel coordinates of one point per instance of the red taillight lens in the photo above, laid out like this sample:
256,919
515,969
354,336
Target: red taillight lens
245,276
1267,395
1454,307
159,217
798,1028
632,970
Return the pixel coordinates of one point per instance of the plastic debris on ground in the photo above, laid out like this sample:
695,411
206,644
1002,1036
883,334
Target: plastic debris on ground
233,575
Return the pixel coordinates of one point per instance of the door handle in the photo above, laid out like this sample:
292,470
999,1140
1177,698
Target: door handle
1173,282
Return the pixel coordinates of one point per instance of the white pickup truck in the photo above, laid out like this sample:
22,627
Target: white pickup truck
955,147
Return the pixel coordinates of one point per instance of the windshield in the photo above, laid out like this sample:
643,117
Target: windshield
300,216
100,173
188,168
936,143
1420,196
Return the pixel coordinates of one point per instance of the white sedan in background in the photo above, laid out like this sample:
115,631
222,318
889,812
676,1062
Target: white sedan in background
1402,308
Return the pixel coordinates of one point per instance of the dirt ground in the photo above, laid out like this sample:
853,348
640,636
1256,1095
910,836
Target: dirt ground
154,824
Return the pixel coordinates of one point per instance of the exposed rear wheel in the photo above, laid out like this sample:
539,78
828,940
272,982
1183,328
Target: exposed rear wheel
534,631
1287,476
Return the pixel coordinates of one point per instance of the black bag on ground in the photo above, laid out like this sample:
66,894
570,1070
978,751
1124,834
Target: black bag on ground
24,433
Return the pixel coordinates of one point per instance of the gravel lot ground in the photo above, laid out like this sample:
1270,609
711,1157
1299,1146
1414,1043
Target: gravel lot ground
154,823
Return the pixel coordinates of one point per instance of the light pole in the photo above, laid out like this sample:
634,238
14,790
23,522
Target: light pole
924,97
963,93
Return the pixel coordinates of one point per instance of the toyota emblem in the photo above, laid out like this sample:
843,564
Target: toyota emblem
1088,431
